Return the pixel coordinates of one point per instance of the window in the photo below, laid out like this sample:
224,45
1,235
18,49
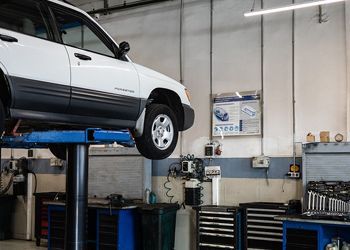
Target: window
76,32
23,16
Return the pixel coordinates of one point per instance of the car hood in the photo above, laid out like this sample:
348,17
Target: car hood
156,75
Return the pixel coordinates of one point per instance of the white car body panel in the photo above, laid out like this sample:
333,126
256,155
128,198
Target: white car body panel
104,74
35,58
150,80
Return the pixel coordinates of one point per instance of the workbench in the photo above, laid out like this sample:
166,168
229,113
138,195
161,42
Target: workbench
307,233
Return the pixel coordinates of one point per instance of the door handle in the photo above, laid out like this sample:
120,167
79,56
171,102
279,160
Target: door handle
9,39
82,57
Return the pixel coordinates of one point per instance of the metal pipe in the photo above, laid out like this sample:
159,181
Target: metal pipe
125,6
77,197
293,86
211,69
181,61
262,79
347,46
29,206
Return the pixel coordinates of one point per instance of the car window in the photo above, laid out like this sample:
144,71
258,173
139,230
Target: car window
23,16
76,32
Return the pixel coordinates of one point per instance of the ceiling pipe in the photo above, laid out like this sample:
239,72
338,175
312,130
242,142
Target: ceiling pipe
125,6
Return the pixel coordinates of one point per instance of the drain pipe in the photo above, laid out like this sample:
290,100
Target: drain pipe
29,206
181,61
293,85
347,44
211,71
262,80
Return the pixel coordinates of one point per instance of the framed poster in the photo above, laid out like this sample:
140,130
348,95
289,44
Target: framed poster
236,113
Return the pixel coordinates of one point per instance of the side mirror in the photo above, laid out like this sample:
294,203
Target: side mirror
124,48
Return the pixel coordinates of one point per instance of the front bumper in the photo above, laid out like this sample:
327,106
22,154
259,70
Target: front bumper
188,117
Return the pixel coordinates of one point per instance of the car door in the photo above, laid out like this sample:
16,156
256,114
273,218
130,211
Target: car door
38,67
102,85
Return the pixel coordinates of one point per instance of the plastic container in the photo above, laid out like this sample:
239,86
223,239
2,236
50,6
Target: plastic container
6,209
158,226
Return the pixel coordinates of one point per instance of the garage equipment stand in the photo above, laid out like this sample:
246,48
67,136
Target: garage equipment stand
78,143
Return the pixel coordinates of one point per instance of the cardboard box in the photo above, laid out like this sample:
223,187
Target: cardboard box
310,138
324,136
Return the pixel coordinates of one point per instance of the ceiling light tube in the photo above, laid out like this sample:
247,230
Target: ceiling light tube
290,7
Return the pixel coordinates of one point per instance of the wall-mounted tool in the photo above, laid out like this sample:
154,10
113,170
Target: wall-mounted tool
188,167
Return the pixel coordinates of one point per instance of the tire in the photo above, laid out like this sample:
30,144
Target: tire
2,119
158,141
59,151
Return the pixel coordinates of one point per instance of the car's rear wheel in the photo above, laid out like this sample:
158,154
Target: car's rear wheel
2,119
160,133
59,151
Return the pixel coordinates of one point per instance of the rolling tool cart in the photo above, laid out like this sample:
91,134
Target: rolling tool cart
219,227
262,230
56,226
41,214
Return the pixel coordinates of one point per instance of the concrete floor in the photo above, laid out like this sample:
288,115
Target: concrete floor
19,245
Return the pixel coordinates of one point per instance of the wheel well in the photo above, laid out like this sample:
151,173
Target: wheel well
5,94
172,100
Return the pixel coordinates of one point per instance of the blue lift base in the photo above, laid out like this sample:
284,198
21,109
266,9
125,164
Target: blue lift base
78,143
89,136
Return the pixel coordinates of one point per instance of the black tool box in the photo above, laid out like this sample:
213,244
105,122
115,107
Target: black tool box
219,227
261,230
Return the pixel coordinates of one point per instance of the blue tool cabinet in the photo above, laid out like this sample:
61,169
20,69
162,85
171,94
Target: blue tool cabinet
117,229
313,235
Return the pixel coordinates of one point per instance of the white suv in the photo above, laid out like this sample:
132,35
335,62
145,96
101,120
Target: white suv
60,70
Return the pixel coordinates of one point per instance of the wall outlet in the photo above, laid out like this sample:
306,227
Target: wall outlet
261,162
293,175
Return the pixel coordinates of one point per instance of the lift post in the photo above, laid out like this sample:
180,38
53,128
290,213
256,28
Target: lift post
78,143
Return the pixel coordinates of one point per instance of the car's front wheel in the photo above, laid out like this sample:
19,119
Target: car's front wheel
160,133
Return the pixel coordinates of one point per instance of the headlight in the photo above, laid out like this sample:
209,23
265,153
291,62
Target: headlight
188,94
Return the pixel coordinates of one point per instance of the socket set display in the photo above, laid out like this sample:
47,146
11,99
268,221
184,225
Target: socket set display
328,199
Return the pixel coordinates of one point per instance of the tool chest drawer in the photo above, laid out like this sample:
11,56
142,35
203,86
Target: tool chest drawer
261,230
218,227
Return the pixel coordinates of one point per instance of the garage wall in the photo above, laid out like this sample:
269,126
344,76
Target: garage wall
320,74
320,53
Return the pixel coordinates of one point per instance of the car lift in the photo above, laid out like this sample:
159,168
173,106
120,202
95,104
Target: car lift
78,143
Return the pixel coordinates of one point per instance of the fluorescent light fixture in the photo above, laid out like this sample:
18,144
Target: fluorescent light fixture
290,7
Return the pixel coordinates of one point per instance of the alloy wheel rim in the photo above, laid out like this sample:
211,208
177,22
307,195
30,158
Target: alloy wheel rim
162,132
